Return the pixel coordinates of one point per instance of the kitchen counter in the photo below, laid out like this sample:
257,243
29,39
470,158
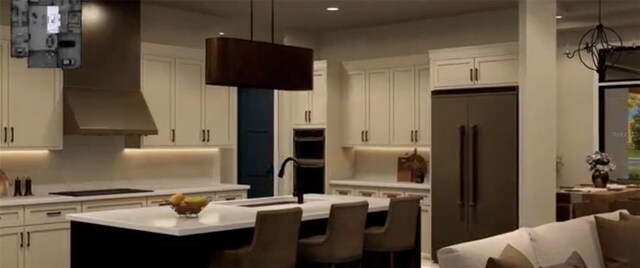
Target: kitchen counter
379,184
157,191
217,216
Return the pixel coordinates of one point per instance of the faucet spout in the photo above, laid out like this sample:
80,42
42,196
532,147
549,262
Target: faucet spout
296,191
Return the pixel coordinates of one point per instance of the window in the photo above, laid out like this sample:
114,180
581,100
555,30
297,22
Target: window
619,114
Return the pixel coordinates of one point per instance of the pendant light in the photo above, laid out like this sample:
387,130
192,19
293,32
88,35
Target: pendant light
254,64
596,49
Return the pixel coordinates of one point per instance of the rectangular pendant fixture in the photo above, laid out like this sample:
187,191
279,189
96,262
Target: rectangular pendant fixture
254,64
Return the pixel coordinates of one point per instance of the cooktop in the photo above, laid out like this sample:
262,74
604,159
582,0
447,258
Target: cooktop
102,192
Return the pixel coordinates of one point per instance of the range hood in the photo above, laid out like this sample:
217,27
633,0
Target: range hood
103,96
253,64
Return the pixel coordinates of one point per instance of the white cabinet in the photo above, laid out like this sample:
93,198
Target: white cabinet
310,107
479,66
230,195
425,234
342,191
423,111
104,205
378,107
187,112
30,104
385,193
404,106
367,192
354,108
11,245
47,245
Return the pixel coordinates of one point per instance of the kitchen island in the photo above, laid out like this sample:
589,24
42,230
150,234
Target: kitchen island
157,237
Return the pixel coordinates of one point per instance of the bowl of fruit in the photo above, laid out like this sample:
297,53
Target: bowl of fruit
188,206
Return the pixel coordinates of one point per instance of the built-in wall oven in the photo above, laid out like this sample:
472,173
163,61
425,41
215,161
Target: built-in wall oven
309,150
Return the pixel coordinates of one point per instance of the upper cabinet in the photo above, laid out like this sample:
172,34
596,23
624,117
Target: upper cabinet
387,102
310,107
30,104
480,66
187,112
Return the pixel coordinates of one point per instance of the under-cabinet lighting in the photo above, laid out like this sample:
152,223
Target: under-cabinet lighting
390,148
170,150
25,152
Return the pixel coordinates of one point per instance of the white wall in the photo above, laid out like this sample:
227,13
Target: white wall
419,37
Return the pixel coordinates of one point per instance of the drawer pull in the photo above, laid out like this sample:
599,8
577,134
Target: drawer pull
163,203
392,195
54,214
230,198
343,192
367,194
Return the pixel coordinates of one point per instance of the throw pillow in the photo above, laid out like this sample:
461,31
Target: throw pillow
629,217
509,258
574,261
619,241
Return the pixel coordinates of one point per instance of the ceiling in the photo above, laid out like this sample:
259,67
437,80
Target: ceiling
311,15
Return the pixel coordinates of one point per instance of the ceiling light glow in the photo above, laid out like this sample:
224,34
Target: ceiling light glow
221,33
558,16
333,9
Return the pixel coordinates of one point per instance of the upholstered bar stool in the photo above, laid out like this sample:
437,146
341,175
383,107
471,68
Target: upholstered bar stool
631,205
342,242
275,242
399,232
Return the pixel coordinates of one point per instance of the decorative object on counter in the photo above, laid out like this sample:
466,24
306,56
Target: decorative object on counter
600,164
27,187
17,187
412,167
4,184
188,206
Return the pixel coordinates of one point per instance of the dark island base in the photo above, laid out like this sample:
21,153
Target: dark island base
102,246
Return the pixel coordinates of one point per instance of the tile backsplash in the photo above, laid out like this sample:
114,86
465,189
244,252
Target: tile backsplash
381,164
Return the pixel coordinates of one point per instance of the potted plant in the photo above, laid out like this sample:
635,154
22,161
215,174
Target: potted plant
600,164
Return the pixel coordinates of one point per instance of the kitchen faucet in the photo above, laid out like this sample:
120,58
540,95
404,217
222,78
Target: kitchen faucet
296,191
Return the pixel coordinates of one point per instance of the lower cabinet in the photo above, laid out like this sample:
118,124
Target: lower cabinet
425,235
231,195
367,192
45,245
114,204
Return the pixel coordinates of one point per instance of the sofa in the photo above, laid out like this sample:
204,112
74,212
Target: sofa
545,245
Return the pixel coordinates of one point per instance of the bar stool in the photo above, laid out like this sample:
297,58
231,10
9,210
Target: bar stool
399,232
275,241
342,242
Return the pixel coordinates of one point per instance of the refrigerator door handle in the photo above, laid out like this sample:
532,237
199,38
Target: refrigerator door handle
474,165
461,131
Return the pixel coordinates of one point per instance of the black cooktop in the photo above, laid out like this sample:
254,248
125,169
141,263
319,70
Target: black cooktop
102,192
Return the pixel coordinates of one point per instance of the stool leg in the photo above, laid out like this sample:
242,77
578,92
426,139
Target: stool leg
391,260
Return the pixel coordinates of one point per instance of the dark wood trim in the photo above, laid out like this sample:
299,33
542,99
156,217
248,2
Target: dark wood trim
446,92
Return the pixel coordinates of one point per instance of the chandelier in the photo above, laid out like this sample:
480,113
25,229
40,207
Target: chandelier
596,49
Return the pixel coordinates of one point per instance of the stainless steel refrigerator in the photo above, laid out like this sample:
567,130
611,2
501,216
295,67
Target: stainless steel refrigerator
474,164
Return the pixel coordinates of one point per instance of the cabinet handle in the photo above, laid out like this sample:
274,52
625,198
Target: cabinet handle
309,116
21,239
12,134
54,214
230,198
471,74
416,136
461,164
412,136
306,116
362,135
474,165
204,136
343,192
173,135
208,135
28,239
5,134
366,135
477,79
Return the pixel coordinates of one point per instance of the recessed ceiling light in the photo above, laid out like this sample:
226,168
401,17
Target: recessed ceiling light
333,9
221,33
558,16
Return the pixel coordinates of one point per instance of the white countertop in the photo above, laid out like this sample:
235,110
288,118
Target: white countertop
381,184
217,216
157,191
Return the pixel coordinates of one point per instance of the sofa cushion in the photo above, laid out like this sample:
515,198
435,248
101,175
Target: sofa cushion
509,258
574,261
553,242
476,253
620,242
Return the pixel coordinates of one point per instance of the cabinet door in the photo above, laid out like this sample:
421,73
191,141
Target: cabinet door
452,73
11,240
35,106
157,88
379,107
47,246
404,99
425,232
217,115
423,100
318,102
4,85
188,98
354,108
497,70
299,107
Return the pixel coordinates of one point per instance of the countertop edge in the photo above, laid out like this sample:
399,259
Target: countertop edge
390,185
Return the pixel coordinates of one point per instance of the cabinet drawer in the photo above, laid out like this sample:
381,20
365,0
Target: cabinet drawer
342,191
367,192
156,201
53,213
113,204
391,194
231,195
11,216
426,197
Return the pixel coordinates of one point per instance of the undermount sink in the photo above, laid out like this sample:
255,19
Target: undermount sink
272,201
